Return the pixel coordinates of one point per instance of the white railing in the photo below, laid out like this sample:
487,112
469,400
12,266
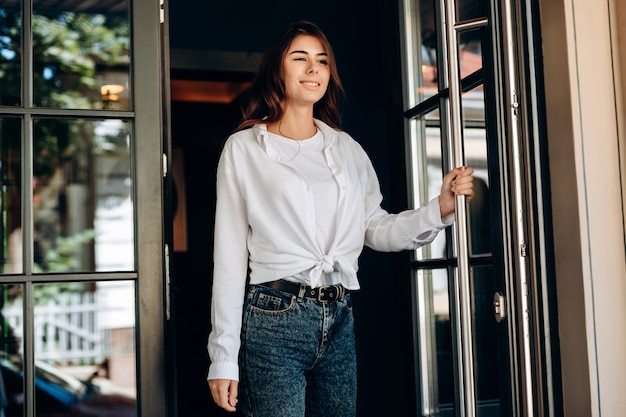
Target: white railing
67,329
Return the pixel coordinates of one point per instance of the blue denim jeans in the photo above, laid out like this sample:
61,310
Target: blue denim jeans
297,356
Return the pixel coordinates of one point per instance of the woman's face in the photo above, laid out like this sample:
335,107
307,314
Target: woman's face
305,70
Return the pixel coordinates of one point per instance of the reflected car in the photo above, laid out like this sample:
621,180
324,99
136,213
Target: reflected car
59,394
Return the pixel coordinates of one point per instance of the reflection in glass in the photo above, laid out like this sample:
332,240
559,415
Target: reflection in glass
470,9
82,196
10,54
436,347
12,349
470,52
421,38
11,197
81,56
84,346
427,168
436,365
485,333
475,141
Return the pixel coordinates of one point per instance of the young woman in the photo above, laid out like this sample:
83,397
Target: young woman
297,199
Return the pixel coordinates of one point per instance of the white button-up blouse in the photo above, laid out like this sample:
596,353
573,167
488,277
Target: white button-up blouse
264,220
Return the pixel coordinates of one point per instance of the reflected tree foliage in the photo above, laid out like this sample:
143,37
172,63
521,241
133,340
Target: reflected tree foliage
73,53
69,49
10,57
81,177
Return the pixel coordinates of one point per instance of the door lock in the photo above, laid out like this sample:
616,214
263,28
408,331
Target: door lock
498,306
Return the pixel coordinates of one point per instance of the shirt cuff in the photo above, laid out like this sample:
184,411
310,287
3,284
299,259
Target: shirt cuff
435,212
224,370
449,219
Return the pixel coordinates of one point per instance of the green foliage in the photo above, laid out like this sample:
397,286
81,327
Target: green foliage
68,48
69,51
10,56
62,258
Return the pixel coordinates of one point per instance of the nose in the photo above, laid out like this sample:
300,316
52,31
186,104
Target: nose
313,68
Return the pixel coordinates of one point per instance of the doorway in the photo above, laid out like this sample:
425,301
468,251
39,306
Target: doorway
204,109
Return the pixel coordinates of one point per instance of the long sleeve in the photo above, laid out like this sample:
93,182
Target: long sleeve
406,230
229,272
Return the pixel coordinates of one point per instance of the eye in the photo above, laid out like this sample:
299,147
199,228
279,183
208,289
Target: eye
323,61
299,59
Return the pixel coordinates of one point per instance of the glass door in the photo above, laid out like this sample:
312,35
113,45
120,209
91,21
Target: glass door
81,247
476,323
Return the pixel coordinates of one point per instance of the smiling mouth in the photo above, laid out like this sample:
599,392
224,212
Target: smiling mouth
310,84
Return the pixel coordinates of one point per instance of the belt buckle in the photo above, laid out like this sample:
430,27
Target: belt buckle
329,293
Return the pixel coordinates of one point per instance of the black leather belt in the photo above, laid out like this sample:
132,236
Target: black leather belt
326,293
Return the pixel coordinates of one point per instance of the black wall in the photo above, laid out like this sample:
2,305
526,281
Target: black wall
364,35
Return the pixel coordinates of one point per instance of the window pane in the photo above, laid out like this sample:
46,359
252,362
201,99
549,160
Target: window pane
421,38
427,169
470,52
81,56
11,197
470,9
12,346
435,343
485,334
82,196
10,53
436,367
475,141
85,352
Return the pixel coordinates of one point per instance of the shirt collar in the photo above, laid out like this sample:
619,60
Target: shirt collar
330,134
261,133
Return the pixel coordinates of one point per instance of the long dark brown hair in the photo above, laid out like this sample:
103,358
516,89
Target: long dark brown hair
267,91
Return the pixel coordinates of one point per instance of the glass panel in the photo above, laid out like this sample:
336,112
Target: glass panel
421,38
85,352
10,53
81,55
475,140
427,169
486,340
12,391
436,364
469,9
82,196
436,348
11,197
470,52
